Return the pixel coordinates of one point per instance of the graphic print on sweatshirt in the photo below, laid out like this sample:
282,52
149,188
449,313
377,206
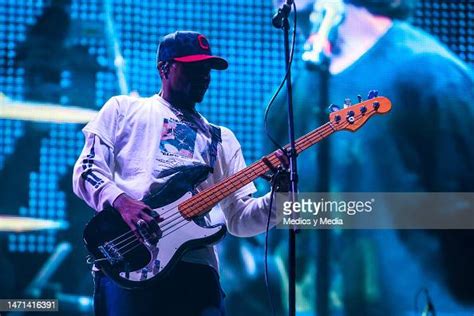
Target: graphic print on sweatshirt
177,139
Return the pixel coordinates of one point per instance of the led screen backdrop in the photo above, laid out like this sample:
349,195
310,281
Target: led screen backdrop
67,56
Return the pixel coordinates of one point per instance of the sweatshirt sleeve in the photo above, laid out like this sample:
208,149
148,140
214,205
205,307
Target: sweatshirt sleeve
93,175
244,215
247,216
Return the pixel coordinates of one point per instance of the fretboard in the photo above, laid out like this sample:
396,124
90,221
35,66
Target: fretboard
208,198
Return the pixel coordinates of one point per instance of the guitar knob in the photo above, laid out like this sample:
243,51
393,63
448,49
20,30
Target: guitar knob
363,110
333,108
350,117
347,103
372,94
376,105
359,97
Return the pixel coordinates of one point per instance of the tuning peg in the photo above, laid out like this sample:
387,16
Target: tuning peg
350,117
372,94
333,108
347,103
359,98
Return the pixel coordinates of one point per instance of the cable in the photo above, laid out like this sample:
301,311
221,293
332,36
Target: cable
272,100
267,229
272,192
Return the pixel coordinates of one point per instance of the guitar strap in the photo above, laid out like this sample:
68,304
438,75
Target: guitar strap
215,140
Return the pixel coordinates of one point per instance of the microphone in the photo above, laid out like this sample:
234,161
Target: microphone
326,16
283,12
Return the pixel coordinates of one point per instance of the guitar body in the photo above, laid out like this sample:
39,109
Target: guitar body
134,263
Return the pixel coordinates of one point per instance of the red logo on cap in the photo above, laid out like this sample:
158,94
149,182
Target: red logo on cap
203,42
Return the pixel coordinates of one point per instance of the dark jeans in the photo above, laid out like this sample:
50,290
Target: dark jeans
189,289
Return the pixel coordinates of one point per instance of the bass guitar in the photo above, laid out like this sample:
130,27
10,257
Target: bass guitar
135,259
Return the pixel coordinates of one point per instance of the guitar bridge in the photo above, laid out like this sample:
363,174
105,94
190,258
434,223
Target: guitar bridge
111,253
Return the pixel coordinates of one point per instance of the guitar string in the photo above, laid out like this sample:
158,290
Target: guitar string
139,243
122,249
191,202
168,221
179,213
186,221
207,198
164,229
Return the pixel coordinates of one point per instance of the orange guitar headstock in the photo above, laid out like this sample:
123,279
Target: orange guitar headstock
353,117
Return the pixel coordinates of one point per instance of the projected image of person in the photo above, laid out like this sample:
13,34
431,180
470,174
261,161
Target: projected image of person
422,145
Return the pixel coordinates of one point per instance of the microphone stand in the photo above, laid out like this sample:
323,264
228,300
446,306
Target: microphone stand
280,21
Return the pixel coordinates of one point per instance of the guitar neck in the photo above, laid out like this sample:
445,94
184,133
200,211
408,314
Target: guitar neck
208,198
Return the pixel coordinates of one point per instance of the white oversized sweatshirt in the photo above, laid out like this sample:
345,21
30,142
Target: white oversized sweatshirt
131,144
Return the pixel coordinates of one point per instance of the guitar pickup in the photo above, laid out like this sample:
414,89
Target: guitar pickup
149,233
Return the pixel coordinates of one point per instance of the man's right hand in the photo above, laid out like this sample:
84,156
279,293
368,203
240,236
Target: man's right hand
132,211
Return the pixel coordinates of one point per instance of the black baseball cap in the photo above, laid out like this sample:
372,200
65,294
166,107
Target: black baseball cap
188,47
